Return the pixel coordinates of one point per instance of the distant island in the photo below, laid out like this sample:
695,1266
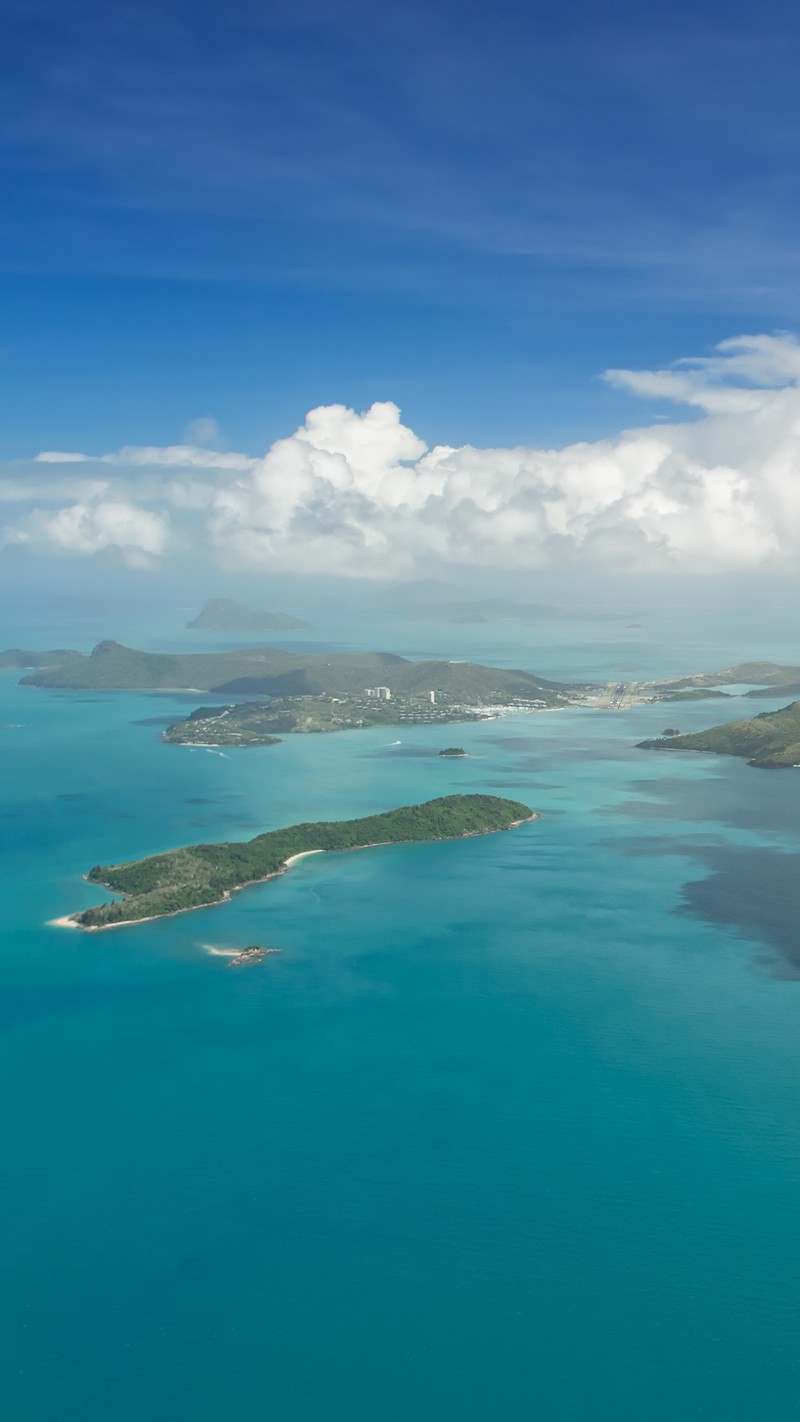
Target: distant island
306,693
765,679
495,609
770,741
18,659
206,874
453,751
220,614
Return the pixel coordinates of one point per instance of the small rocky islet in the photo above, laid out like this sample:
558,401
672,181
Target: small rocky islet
254,954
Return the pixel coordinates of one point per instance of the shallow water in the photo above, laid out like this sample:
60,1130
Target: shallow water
510,1127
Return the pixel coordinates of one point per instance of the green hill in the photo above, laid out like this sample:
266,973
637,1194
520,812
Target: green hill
771,740
273,672
205,874
113,667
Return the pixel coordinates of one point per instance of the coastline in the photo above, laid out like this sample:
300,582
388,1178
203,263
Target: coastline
70,920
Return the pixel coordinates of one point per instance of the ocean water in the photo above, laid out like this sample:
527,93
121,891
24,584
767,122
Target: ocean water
509,1130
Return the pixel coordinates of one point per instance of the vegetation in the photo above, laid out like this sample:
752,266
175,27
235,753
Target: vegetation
760,674
220,614
453,750
276,673
204,874
697,693
771,740
257,723
787,688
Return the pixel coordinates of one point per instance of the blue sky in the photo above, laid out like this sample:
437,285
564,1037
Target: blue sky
244,210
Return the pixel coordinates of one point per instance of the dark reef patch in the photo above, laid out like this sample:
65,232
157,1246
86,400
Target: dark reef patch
754,892
734,797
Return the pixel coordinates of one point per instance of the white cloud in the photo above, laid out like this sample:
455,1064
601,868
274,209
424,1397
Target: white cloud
182,456
359,494
139,535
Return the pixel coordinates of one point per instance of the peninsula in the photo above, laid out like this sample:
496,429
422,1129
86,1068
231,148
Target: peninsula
765,679
205,874
770,741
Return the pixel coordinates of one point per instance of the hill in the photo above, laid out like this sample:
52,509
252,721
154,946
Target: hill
273,672
771,740
18,659
220,614
760,674
205,874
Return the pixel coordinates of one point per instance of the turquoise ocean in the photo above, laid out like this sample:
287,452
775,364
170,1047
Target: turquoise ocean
509,1130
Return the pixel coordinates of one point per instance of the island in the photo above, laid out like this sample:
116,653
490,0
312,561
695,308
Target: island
770,741
253,954
19,659
221,614
765,679
277,673
204,874
453,751
259,723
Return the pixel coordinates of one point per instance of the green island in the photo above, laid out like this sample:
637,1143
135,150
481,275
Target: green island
453,751
274,672
293,693
770,740
205,874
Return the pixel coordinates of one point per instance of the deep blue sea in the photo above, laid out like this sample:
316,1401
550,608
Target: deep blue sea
510,1129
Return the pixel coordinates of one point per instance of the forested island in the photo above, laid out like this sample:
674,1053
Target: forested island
205,874
771,740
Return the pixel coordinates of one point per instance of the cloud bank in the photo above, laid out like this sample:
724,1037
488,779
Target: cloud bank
361,494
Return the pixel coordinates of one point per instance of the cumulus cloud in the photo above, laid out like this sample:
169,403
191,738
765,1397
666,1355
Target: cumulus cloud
140,535
361,495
